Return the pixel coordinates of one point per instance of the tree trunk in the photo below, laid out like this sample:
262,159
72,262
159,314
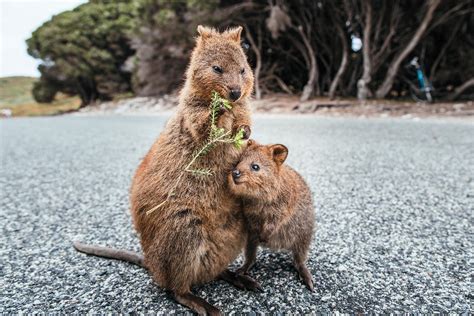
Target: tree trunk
457,92
258,64
443,50
363,83
308,89
392,71
82,93
342,66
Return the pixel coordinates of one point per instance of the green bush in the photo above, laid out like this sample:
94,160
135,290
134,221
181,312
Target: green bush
44,92
84,50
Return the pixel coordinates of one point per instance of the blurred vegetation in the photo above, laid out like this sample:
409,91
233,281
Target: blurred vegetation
15,94
16,90
163,37
62,104
43,91
304,47
84,50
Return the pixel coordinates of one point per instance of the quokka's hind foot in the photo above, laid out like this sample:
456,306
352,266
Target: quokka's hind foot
197,304
243,270
299,259
250,253
243,282
306,277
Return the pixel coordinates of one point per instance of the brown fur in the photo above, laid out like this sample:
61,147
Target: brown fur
277,205
193,237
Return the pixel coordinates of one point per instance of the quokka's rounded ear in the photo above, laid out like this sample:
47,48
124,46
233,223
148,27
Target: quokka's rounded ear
279,153
200,29
235,33
204,31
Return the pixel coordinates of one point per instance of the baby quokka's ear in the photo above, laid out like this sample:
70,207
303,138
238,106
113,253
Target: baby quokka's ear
251,142
279,153
234,33
205,32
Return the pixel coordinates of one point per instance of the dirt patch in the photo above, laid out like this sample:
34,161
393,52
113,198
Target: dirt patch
371,108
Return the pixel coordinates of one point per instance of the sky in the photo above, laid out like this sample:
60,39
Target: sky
18,19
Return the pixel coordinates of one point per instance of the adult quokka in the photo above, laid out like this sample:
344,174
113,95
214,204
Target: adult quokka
198,230
277,204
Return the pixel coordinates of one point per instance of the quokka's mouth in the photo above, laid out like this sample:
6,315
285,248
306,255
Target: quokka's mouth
236,181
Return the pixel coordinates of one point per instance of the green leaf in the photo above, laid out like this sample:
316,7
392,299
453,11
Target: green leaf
238,143
238,139
240,134
226,104
201,172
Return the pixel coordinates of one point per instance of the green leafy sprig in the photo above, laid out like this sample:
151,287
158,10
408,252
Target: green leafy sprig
217,135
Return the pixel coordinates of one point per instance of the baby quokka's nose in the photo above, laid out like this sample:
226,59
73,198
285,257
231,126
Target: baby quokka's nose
234,94
236,174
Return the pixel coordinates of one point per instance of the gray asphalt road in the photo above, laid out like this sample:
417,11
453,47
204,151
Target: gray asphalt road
394,204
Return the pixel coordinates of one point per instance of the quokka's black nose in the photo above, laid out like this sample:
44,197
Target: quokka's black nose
234,94
235,174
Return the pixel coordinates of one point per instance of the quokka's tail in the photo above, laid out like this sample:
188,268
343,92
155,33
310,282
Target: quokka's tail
111,253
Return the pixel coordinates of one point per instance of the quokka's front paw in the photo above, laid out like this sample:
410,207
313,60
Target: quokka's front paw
247,131
222,109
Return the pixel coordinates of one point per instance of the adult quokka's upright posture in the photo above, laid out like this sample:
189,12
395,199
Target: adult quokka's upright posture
199,231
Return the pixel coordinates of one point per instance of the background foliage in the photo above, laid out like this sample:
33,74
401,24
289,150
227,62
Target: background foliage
299,47
84,50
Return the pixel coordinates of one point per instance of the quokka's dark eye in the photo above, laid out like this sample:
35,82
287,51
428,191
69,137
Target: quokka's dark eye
242,71
217,69
255,167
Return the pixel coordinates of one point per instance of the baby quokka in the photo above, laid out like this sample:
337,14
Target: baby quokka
278,206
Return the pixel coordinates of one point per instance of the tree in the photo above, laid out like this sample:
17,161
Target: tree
344,61
83,51
363,90
392,71
302,46
44,91
296,47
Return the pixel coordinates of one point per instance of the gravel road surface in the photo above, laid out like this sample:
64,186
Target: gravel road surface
394,201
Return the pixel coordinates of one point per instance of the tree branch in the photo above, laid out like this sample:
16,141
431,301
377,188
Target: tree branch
443,50
395,65
344,62
459,90
256,49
